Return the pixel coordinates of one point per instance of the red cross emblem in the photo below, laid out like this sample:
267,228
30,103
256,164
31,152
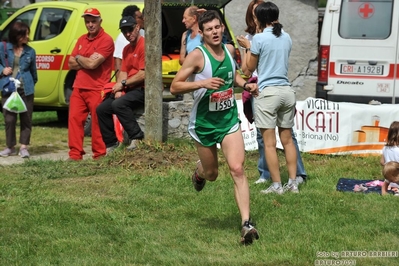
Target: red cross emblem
366,10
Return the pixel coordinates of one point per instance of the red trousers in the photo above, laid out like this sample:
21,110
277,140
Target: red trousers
83,102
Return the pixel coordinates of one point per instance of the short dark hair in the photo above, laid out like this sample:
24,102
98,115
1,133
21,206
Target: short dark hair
130,11
267,13
18,29
206,17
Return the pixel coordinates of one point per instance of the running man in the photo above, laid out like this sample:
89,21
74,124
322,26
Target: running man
211,75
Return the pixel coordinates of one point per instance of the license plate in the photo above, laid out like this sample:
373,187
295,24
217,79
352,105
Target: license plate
362,69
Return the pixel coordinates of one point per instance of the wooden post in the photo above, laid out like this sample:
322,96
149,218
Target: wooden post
153,70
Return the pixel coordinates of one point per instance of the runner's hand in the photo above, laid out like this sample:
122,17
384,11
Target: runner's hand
212,83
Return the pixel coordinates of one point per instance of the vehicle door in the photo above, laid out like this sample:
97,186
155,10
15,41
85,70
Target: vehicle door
51,41
363,52
48,38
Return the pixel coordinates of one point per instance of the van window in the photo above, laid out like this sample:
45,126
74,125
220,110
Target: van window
51,23
365,19
26,17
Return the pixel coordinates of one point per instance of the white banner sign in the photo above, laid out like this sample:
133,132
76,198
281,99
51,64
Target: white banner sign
325,127
248,129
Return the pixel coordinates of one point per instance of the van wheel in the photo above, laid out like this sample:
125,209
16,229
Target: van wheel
321,95
62,115
68,85
87,127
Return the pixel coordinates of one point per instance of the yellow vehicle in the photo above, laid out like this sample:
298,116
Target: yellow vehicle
56,26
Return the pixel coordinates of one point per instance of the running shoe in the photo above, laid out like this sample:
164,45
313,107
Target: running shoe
261,180
198,182
272,189
248,233
291,188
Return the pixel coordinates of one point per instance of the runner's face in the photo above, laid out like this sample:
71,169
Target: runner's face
93,25
213,32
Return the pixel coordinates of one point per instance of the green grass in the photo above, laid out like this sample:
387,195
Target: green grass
141,209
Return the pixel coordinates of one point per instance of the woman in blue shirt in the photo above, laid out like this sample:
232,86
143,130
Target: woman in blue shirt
17,57
275,105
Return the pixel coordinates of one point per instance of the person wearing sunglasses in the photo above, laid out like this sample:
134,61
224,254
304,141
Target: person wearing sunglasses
121,42
128,91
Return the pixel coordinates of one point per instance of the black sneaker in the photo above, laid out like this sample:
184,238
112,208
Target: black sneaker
248,233
198,182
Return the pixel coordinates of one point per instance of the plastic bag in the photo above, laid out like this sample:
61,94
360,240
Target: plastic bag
15,103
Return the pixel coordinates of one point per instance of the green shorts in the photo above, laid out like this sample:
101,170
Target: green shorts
207,137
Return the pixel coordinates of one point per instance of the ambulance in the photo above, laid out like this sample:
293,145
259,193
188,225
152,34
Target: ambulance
358,54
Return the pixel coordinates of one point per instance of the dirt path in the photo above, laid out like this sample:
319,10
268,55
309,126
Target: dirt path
60,155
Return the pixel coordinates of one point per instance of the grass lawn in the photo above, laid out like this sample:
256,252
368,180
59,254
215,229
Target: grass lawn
140,208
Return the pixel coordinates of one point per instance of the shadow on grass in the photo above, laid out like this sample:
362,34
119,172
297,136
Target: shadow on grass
55,124
221,223
49,119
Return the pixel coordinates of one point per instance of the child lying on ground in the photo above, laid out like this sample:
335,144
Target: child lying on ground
391,175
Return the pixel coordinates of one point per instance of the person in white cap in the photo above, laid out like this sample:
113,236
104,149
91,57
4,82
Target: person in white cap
92,59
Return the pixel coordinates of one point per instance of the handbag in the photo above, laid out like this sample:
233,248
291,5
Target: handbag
246,101
11,85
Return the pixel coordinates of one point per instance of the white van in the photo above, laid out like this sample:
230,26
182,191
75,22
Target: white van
359,52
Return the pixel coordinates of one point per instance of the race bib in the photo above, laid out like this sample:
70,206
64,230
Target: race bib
221,100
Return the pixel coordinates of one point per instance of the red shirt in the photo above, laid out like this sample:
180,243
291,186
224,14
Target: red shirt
133,59
103,44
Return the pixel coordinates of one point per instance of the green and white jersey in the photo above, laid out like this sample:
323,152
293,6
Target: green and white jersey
214,113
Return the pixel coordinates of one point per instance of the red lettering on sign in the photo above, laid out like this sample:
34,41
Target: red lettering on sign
366,10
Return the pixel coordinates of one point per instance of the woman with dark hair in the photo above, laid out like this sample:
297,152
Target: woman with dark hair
245,43
18,60
275,105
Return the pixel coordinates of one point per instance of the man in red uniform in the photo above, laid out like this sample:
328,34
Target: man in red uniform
92,59
131,81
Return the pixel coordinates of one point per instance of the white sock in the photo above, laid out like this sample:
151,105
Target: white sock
276,185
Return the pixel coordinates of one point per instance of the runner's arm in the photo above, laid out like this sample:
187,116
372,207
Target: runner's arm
193,63
239,81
